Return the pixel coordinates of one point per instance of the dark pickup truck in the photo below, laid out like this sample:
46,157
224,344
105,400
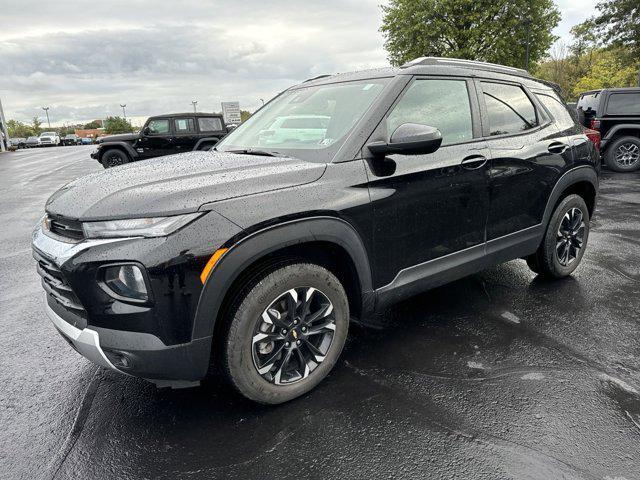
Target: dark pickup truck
162,135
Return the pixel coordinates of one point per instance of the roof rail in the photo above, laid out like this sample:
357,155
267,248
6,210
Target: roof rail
458,62
316,78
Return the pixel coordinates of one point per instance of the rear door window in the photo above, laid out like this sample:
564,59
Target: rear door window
509,109
184,125
209,124
624,103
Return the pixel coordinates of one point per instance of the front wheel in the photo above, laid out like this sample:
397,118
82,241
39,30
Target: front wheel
565,240
113,158
287,330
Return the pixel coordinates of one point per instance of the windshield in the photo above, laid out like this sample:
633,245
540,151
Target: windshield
48,134
309,122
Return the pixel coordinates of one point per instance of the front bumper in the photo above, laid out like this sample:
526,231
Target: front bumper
85,341
115,335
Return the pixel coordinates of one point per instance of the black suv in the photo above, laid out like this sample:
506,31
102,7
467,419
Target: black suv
615,113
162,135
253,258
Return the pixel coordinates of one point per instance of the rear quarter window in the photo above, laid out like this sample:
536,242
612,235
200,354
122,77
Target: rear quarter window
209,124
624,103
558,110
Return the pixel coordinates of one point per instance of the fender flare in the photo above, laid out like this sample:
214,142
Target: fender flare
608,138
575,175
253,247
206,140
130,150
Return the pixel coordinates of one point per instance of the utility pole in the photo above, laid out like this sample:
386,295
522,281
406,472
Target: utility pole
3,124
194,103
527,47
124,112
46,110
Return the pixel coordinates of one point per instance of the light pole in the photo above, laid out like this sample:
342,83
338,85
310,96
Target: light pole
46,110
194,103
124,112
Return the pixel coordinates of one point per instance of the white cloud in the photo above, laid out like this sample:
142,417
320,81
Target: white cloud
83,60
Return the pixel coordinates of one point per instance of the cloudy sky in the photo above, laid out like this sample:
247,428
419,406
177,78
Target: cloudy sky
83,59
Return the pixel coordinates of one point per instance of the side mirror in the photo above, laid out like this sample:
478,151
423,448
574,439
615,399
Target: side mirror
409,139
146,131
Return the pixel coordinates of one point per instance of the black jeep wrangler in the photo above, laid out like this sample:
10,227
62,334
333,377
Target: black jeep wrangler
615,113
162,135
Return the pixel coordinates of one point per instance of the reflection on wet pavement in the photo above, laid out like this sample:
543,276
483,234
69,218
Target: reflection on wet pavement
499,375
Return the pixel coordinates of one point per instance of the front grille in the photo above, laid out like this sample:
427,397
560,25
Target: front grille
66,227
55,285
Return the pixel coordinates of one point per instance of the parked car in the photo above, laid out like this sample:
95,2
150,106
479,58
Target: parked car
86,141
71,139
17,142
49,139
615,113
162,135
32,142
301,128
253,260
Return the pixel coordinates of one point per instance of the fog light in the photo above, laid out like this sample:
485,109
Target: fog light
126,281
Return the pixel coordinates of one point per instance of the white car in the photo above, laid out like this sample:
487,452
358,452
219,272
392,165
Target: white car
49,139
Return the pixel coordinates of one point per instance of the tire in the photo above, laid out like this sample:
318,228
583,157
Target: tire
113,158
565,240
623,155
243,354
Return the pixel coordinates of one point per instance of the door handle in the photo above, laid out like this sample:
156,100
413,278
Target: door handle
557,147
474,162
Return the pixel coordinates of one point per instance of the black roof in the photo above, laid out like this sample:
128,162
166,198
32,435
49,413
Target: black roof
437,66
616,89
187,114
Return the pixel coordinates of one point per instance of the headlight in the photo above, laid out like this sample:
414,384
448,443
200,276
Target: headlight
137,227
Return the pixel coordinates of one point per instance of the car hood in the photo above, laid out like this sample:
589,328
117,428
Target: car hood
177,184
122,137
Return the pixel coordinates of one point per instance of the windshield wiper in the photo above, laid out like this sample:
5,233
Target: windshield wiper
251,151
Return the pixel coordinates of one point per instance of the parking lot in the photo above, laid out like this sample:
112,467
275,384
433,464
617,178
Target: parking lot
499,375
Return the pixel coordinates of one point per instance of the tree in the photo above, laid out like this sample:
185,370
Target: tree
488,30
18,129
610,69
93,125
36,126
617,23
113,125
244,115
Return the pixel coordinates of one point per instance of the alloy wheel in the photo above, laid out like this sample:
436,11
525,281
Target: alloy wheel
293,335
627,154
570,236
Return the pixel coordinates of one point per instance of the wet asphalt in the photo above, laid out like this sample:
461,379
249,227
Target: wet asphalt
500,375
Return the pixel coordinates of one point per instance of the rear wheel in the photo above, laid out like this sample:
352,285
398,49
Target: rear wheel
565,241
623,155
287,330
113,158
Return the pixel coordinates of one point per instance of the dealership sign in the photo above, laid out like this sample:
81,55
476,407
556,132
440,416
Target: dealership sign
231,112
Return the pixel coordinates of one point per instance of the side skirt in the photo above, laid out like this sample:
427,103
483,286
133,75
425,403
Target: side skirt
439,271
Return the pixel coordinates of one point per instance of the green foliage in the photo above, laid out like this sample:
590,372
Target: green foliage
114,125
19,129
588,68
244,115
93,125
617,23
488,30
36,126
